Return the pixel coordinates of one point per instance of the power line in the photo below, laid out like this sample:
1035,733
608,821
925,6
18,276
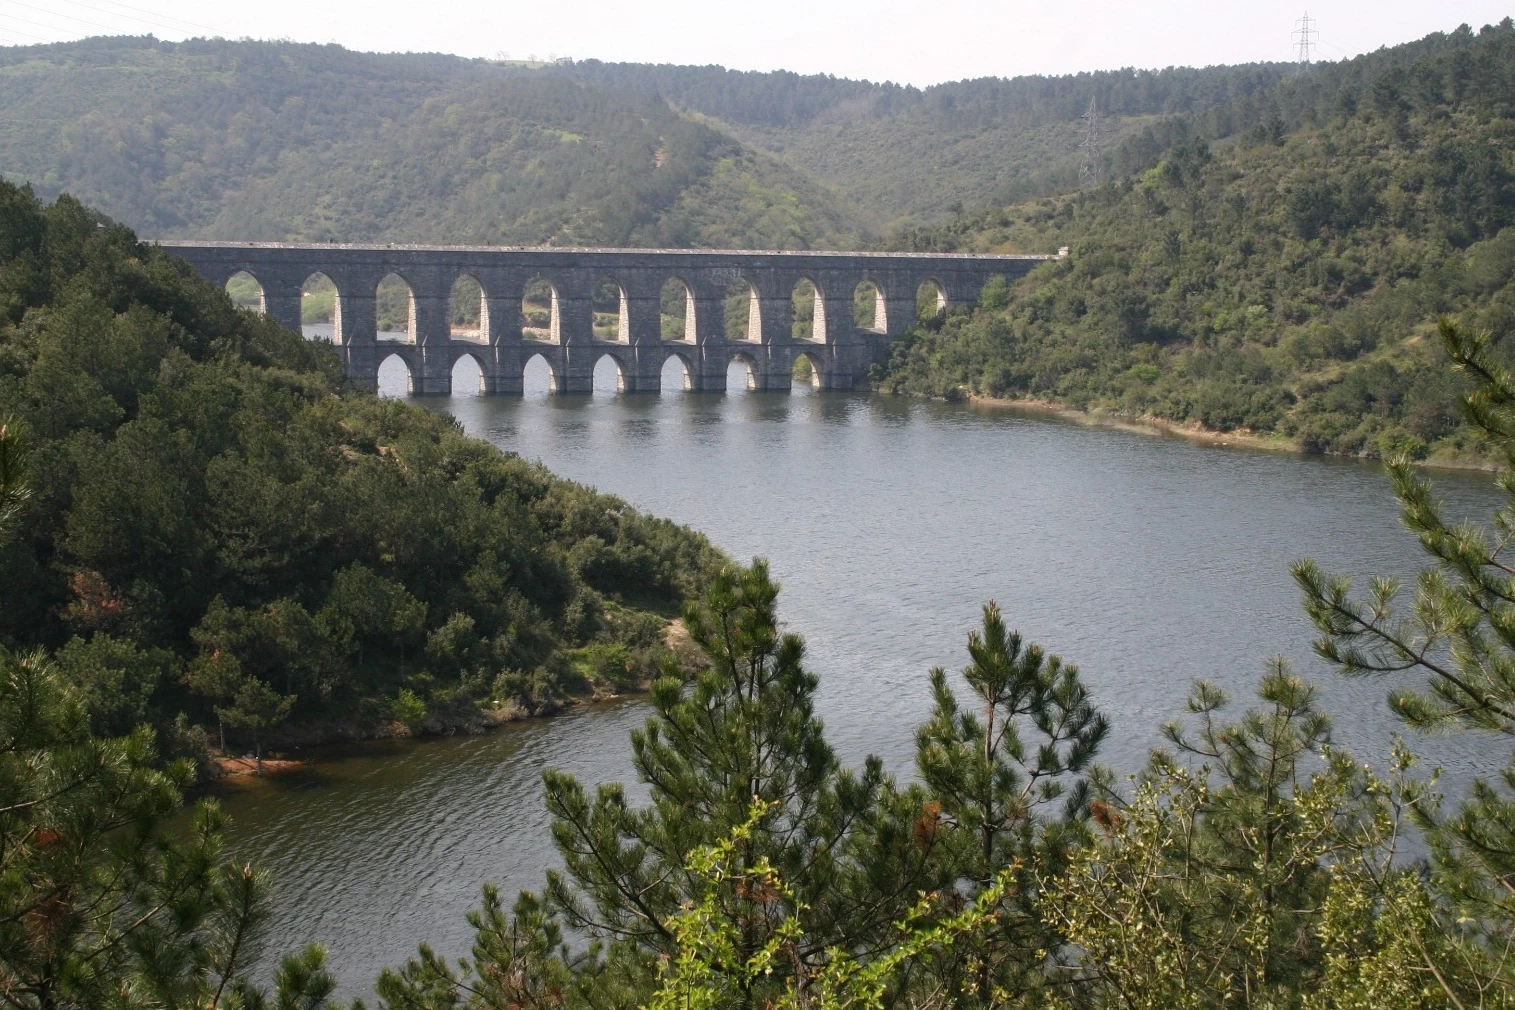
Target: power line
160,18
1305,32
40,24
29,35
60,14
164,22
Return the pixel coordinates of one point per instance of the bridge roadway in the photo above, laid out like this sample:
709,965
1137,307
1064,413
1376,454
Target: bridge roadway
840,354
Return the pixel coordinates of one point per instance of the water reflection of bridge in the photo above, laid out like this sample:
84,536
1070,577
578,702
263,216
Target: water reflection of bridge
640,307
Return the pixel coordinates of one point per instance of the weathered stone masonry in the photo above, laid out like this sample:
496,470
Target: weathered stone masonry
841,353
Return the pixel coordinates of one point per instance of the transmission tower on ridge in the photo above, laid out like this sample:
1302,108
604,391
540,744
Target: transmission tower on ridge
1093,167
1305,32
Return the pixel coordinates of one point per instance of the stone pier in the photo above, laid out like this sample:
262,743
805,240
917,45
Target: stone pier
839,351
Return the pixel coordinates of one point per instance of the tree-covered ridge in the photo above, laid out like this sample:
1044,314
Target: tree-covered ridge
1285,281
217,531
219,139
283,141
902,154
905,154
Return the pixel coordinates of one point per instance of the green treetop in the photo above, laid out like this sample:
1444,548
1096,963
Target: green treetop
995,772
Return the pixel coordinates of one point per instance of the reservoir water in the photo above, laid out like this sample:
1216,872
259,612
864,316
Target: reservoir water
1149,562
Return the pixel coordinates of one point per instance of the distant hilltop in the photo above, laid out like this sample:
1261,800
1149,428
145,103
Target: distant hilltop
282,141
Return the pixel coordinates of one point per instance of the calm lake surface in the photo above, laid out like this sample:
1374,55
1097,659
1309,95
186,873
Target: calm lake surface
1147,561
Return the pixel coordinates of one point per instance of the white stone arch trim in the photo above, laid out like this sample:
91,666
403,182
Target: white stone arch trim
748,361
382,358
336,301
819,334
880,304
410,302
262,288
482,333
686,364
554,310
554,378
691,320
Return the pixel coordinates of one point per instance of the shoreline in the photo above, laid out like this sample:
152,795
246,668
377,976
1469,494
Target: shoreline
286,756
1157,426
475,722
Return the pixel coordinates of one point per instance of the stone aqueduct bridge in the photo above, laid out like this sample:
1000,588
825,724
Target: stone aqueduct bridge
841,353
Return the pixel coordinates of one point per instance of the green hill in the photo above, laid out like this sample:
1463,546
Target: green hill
221,532
283,141
1284,279
904,154
211,138
269,140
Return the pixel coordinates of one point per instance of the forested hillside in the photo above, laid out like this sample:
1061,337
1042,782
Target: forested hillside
211,138
1285,280
220,536
277,140
903,154
281,141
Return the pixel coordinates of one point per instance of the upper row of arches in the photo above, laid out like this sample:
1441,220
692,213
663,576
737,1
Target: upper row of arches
395,318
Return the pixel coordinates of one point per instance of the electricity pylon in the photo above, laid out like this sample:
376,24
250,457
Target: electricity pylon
1093,168
1305,33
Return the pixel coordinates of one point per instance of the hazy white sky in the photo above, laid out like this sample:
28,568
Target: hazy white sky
918,42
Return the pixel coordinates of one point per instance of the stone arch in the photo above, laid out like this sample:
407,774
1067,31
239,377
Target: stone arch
869,309
480,386
807,369
744,312
808,311
386,379
246,291
685,381
552,372
601,375
467,309
749,370
611,313
541,318
676,311
395,309
321,308
930,300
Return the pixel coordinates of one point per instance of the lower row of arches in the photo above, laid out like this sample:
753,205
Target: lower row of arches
538,379
321,310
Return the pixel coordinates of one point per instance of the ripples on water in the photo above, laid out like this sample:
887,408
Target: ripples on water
1149,562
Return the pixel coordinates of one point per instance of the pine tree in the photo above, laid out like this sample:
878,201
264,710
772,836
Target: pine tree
1460,634
101,904
739,732
256,707
1206,889
995,773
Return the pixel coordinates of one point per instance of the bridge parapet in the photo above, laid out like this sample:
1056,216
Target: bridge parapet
840,351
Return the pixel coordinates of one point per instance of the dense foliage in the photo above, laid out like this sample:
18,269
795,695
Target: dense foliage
1287,281
908,154
212,138
255,140
100,906
216,531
